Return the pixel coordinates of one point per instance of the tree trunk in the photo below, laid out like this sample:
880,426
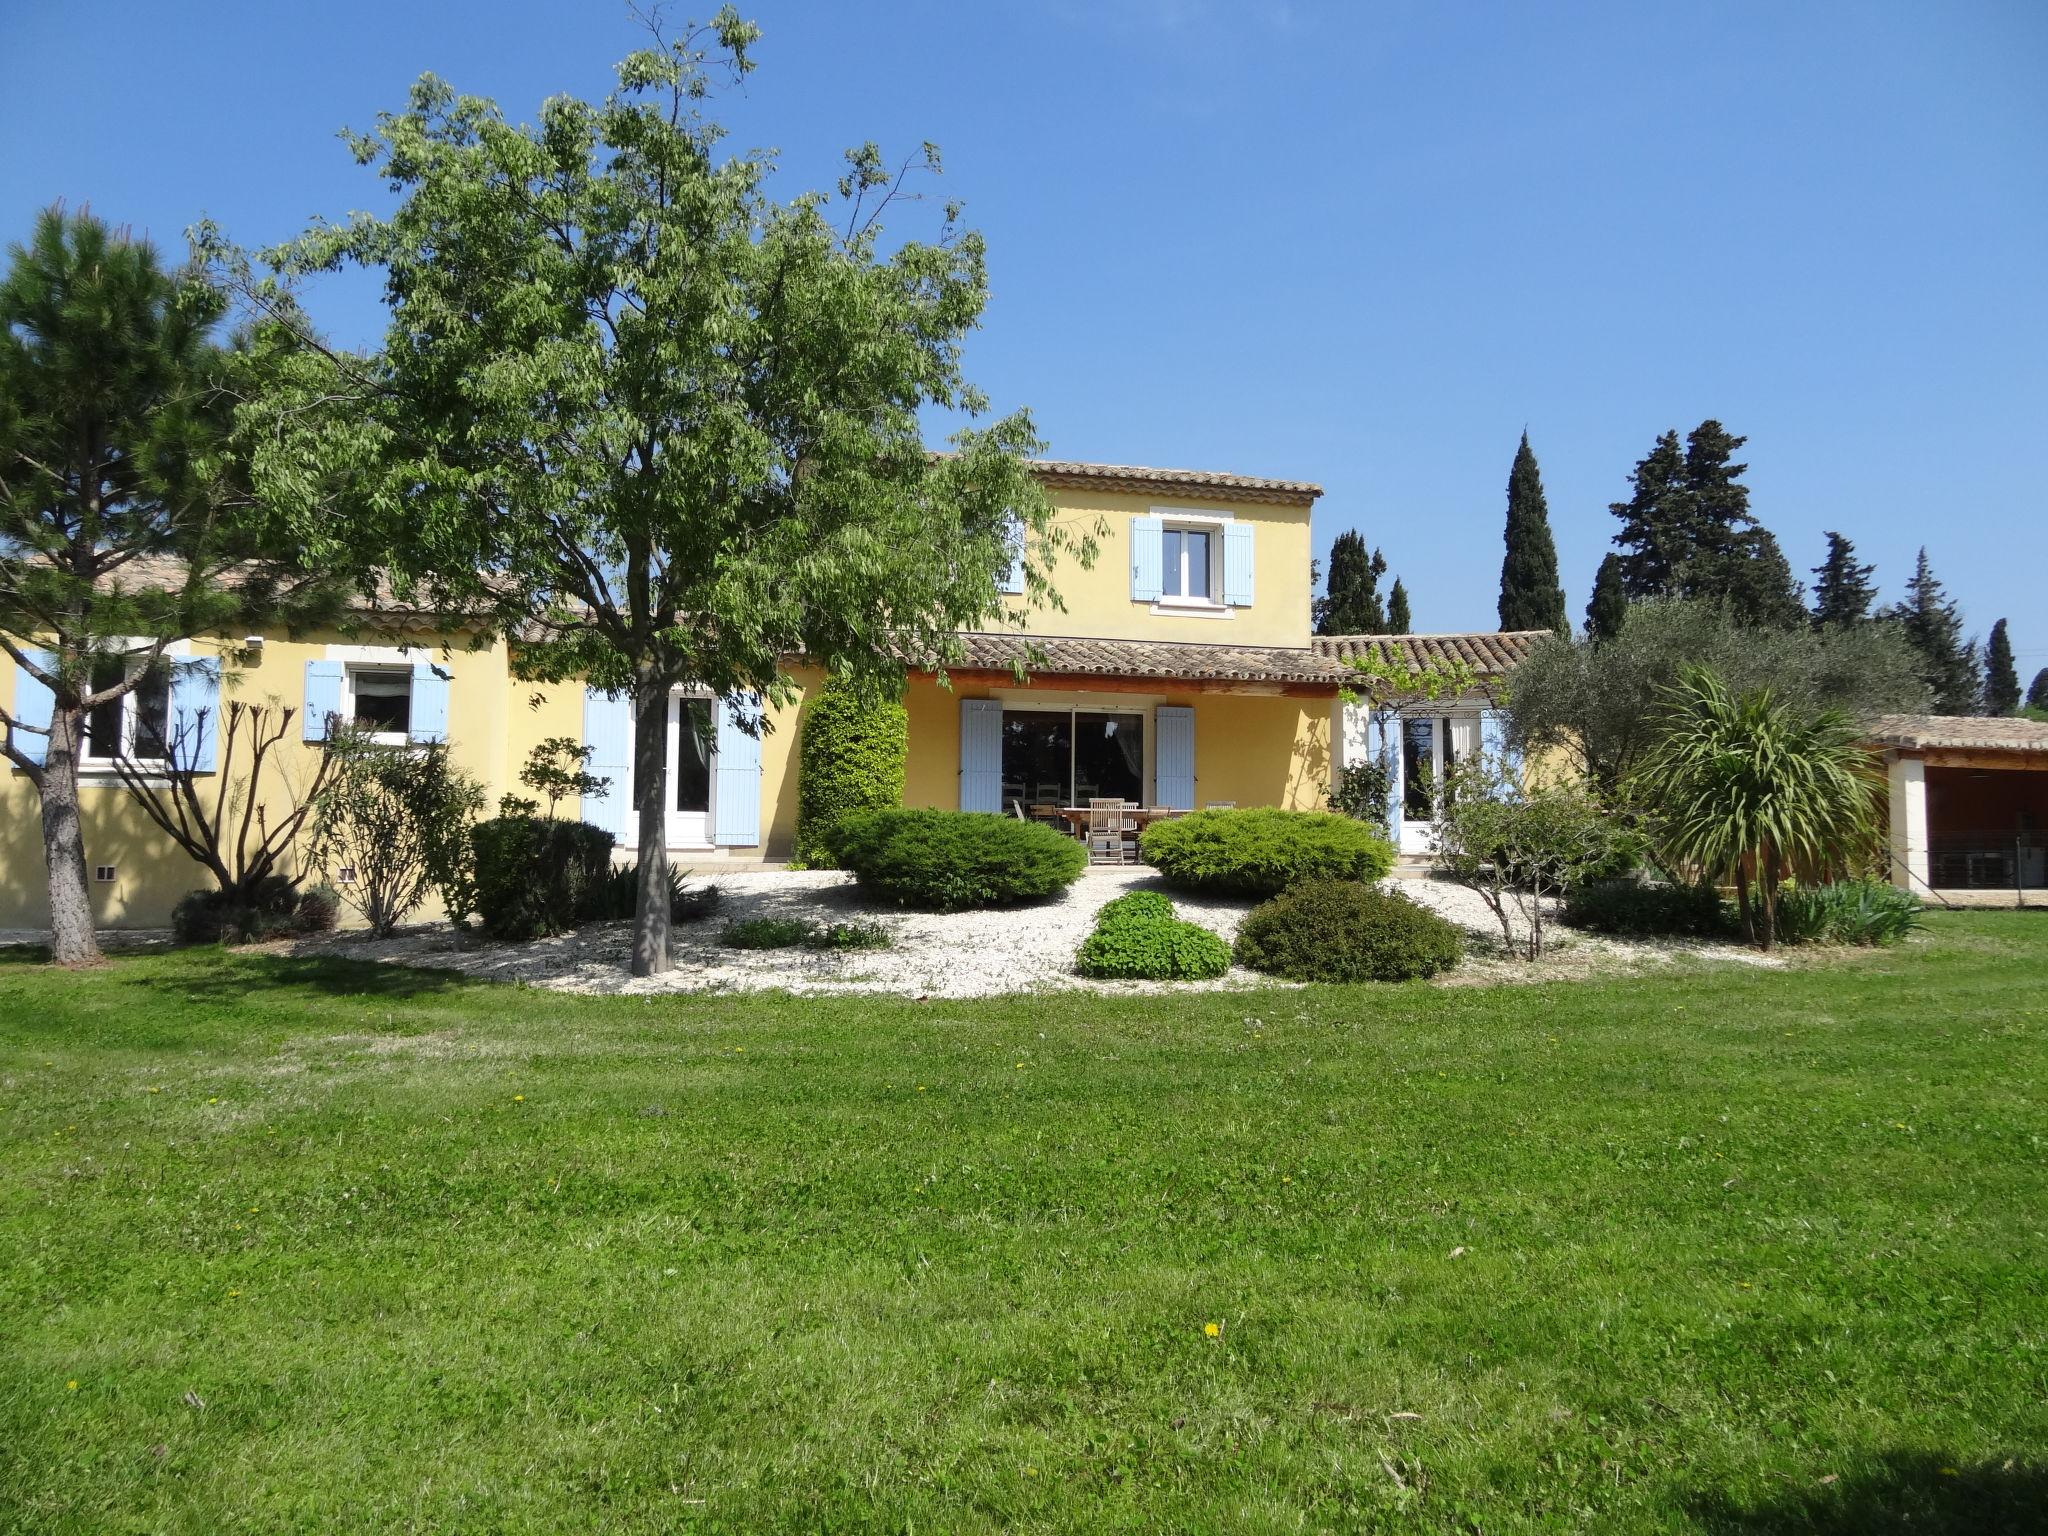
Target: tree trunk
650,791
71,936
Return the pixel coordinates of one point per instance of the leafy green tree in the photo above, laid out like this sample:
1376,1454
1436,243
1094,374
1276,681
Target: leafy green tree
1842,589
1608,607
1399,620
2037,691
1351,602
124,521
1934,626
1598,702
2001,677
559,767
666,428
1749,790
1530,595
391,827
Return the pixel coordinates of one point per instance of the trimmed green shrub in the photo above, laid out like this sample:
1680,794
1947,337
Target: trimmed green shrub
1630,910
1137,937
1869,912
948,861
1261,852
1341,930
766,933
536,878
851,758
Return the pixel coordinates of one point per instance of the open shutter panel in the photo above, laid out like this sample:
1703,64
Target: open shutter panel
195,711
323,699
429,704
981,755
1387,733
1237,565
736,803
1147,541
1012,579
33,705
1173,757
608,732
1493,739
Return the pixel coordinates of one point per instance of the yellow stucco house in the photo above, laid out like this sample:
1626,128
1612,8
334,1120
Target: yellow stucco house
1181,673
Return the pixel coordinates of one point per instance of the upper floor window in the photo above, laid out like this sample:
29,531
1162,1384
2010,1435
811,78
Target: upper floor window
380,703
1191,562
136,724
1187,563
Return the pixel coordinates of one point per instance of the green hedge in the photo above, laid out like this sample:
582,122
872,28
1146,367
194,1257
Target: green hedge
1261,852
1137,937
536,877
1340,930
948,861
1631,910
851,758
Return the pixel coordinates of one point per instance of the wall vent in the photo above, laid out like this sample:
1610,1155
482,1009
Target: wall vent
346,875
103,873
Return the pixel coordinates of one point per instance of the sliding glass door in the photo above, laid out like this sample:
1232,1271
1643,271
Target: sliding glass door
1069,757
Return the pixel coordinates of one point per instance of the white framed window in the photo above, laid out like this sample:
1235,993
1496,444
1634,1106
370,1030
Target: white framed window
1189,564
377,700
135,726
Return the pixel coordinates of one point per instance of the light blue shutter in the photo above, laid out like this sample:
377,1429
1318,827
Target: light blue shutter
33,705
1388,725
736,803
323,699
1147,538
1012,580
981,755
608,732
195,711
1493,740
1237,565
429,704
1173,757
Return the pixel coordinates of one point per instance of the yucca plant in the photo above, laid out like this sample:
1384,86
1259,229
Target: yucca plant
1748,792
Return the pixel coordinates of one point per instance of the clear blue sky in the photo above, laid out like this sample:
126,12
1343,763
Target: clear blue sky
1364,244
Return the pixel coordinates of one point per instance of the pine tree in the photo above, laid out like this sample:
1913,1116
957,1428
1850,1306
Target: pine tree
1935,628
1732,558
2001,677
1398,621
1656,532
1842,588
1530,597
1610,601
2037,691
1351,602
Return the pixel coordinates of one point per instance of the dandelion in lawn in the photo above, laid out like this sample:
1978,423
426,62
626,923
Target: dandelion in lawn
1286,1179
1213,1330
518,1098
156,1090
72,1385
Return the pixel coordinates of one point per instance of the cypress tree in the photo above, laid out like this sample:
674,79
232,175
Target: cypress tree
1934,626
1842,588
2001,677
1610,601
1530,597
1351,602
2037,691
1656,535
1398,621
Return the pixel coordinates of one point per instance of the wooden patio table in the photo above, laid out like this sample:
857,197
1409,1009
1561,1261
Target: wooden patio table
1076,816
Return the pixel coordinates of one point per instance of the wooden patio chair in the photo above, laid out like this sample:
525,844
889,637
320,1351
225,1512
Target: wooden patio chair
1106,832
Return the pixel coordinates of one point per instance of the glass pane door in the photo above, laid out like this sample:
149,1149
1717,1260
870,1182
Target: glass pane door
1109,758
1038,758
689,773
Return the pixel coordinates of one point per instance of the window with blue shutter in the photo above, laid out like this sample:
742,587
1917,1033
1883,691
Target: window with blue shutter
33,706
1147,538
1173,757
1237,565
608,732
429,720
736,802
195,711
1493,738
323,699
981,755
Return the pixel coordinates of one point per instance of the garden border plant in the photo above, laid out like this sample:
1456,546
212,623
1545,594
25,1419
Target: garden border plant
1262,851
1342,930
952,861
1137,937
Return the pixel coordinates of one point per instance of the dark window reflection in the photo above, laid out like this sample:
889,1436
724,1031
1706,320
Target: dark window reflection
1417,771
1109,757
693,756
1037,758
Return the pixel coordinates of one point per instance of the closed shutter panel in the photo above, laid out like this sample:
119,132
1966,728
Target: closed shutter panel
195,711
1147,541
1173,757
1387,730
429,705
33,706
608,732
1237,566
1493,736
981,755
323,699
736,799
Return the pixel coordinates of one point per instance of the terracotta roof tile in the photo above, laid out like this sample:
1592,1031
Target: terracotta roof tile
1490,653
1166,660
1995,732
1073,475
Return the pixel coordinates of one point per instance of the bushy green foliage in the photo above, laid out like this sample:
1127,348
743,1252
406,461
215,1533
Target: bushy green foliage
1365,792
559,768
271,910
851,758
1259,852
1137,937
319,909
400,821
613,899
1632,910
537,877
1341,930
849,936
1868,912
948,861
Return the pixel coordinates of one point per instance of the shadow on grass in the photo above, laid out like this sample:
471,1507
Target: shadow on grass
243,977
1911,1492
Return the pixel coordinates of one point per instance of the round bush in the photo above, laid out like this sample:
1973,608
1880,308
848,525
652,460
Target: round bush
948,861
318,910
1261,852
1631,910
537,877
237,917
1137,937
850,759
1339,930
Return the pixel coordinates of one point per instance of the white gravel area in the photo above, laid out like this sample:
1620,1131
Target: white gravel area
950,954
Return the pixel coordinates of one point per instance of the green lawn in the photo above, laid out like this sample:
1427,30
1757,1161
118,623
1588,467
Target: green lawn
312,1246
